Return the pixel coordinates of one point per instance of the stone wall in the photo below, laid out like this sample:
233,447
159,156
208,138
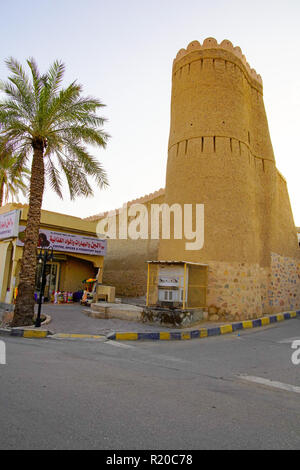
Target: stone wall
125,264
284,286
243,291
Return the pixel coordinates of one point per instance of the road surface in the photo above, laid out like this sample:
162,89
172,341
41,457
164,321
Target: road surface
227,392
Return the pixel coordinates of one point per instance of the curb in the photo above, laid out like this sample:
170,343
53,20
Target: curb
24,333
28,332
205,332
77,336
157,336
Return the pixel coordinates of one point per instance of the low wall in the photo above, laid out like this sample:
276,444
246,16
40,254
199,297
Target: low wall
246,291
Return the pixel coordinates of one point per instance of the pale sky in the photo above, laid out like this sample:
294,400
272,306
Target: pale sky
122,51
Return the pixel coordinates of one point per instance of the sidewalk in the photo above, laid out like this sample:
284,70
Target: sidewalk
71,320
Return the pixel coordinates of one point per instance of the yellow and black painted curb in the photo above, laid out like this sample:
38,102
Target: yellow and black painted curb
24,333
77,336
156,336
205,332
34,333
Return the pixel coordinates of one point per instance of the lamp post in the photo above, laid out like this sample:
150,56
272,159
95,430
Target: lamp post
43,258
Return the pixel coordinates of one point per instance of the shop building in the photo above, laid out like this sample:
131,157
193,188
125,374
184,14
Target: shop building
77,252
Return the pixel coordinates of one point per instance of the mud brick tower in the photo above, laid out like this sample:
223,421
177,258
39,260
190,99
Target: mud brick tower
220,155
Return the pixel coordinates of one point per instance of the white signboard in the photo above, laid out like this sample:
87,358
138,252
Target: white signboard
69,242
169,276
168,281
9,224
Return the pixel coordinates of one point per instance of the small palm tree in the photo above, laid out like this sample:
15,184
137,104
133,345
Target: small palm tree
53,125
13,179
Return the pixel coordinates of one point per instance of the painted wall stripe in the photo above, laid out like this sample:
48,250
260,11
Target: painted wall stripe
78,336
17,332
151,336
214,331
186,335
175,335
226,329
247,324
195,334
237,326
126,336
34,334
164,335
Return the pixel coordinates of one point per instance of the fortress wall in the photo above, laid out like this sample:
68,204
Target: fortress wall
249,291
125,264
285,242
221,155
210,153
238,289
222,178
284,285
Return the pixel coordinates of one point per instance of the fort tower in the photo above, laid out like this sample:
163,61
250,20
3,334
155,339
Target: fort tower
220,155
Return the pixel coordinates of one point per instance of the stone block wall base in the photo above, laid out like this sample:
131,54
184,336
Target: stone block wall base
172,318
107,310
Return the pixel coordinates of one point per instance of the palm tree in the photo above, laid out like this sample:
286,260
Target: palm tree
53,125
13,179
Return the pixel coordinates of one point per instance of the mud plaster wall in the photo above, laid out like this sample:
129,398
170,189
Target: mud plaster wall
125,265
220,155
73,272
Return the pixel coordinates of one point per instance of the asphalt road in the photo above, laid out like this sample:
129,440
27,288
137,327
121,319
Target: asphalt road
199,394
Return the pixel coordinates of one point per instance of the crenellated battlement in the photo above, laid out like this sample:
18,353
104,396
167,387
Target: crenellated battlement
211,43
141,200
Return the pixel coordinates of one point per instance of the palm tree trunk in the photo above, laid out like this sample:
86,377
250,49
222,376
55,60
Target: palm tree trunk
1,193
24,309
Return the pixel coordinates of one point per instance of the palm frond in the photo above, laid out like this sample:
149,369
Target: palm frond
87,163
36,79
54,178
40,109
14,178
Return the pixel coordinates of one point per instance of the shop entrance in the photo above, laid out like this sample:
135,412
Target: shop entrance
52,276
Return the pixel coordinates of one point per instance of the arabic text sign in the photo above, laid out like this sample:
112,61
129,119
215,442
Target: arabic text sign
9,224
71,243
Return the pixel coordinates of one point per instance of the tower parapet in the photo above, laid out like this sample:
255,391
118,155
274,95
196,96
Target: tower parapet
212,43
